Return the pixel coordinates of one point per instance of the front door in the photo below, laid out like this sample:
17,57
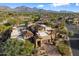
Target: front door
39,43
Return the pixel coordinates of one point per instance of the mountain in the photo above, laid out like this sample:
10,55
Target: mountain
64,11
28,9
23,9
5,8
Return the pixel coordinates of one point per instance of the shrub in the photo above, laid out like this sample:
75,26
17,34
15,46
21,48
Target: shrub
63,49
71,33
16,47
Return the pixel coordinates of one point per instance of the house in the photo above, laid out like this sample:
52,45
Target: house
48,35
45,35
30,24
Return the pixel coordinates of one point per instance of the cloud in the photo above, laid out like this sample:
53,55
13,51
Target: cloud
77,4
60,1
40,6
59,4
39,1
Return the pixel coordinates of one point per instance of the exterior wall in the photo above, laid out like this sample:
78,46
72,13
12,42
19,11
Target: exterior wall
43,40
46,39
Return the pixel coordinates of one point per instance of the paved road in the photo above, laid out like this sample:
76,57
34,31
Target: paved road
74,41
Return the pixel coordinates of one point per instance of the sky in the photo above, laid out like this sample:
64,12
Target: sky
48,6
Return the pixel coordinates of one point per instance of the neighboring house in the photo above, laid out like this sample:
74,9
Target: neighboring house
20,32
76,21
30,24
16,33
4,22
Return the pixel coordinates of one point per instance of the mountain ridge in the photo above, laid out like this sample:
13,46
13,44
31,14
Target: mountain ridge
29,9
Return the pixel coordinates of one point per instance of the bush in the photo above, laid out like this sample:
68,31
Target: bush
71,33
64,30
13,47
4,28
63,49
